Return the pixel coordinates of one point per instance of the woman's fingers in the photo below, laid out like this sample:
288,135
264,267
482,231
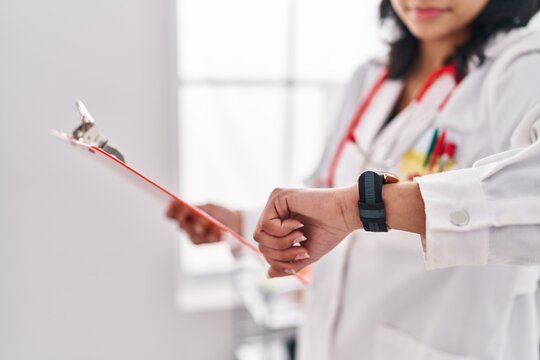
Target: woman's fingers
280,243
293,253
172,210
183,217
200,234
214,234
198,229
285,268
279,228
281,268
273,273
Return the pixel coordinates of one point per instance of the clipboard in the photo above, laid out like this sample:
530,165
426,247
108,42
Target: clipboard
92,143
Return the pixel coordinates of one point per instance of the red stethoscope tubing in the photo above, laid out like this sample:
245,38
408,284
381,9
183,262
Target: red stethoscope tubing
366,102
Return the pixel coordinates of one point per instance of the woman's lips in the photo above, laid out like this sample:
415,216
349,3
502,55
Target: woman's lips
426,13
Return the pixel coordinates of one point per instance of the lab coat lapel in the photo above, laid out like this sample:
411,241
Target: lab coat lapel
354,155
402,133
378,112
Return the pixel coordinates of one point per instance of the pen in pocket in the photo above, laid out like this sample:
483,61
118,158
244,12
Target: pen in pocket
449,151
437,151
431,147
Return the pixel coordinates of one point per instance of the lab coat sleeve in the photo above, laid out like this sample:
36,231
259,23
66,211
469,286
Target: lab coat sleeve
490,213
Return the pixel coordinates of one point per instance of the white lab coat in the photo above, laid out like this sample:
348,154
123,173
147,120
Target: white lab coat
372,298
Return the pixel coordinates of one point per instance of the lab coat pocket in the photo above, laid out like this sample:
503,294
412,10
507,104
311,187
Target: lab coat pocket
392,344
433,152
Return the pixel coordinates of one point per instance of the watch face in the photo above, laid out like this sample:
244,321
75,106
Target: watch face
389,178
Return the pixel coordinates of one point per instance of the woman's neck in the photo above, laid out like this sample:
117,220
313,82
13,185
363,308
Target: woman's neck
433,53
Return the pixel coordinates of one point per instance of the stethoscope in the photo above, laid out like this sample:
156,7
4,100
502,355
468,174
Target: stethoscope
349,136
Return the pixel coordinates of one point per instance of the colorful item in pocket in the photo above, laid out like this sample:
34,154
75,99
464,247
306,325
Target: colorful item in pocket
438,151
447,157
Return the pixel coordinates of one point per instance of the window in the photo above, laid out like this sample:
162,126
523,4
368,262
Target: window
258,85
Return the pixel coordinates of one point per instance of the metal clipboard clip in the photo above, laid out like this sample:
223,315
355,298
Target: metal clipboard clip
88,133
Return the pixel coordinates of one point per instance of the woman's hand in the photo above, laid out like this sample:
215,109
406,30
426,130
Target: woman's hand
299,226
321,218
200,230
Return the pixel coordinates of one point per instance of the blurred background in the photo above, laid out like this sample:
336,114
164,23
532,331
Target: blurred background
216,100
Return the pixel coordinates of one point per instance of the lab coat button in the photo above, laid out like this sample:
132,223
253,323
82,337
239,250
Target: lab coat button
459,217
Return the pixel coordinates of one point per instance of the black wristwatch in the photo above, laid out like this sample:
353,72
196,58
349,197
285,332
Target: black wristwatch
371,205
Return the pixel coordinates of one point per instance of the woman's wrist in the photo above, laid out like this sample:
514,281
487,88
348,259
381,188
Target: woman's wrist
404,207
348,201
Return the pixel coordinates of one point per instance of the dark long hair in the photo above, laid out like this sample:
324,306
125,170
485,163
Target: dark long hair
498,16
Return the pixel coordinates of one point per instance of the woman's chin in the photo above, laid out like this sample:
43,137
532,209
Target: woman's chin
431,32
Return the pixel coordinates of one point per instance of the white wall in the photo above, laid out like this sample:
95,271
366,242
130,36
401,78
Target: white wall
87,265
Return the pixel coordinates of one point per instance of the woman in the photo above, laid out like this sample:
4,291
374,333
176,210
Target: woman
450,92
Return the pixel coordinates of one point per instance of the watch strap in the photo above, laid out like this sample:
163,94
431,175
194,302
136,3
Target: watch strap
370,204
